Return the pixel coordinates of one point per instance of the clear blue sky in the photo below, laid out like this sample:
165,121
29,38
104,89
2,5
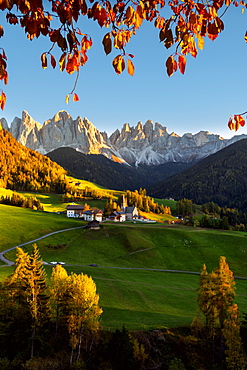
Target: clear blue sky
213,87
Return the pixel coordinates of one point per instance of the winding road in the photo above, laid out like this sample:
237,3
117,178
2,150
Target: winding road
11,263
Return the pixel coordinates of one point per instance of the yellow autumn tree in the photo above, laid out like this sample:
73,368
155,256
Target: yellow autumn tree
216,293
235,357
76,303
59,278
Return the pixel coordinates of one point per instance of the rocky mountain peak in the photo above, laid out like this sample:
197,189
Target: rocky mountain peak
149,143
126,128
4,123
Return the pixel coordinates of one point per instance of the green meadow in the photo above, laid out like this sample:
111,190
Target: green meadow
19,225
133,289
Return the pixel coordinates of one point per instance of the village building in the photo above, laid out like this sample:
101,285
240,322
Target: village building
74,210
126,213
130,212
93,214
117,216
93,225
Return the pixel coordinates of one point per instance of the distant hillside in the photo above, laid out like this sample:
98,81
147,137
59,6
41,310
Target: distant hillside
113,175
221,178
25,169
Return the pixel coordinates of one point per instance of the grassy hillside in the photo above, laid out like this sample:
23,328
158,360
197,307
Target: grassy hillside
133,295
148,246
19,225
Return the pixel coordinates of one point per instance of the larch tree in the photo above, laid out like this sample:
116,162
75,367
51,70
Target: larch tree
37,293
28,288
235,357
216,293
182,26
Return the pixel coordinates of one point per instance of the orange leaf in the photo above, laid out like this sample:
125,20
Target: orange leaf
62,61
5,77
168,41
107,43
53,61
131,68
182,63
235,122
200,42
2,100
76,97
118,64
1,31
67,98
239,119
171,65
43,60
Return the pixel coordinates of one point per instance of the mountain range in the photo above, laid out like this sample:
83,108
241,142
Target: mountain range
220,177
148,144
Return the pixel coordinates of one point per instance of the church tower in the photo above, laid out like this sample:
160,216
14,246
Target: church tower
124,203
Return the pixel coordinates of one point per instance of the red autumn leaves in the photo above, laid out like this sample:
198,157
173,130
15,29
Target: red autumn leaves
235,122
172,65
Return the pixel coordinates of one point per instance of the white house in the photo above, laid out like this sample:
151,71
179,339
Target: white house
74,210
93,214
117,216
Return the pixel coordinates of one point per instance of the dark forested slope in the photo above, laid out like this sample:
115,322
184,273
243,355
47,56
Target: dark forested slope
113,175
25,169
220,178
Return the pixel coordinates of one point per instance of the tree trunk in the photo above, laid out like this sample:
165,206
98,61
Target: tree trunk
79,344
32,339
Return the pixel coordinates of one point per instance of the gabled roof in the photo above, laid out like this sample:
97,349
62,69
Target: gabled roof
93,224
129,209
115,214
97,211
88,212
71,207
93,212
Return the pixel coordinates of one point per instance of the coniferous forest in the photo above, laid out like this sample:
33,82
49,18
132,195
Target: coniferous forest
219,178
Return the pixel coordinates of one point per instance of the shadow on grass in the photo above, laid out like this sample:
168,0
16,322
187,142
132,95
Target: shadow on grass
115,318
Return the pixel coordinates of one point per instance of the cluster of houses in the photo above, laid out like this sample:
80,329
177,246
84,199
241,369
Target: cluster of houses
74,210
126,213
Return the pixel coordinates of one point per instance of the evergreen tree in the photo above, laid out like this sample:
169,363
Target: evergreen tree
121,350
29,289
37,295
